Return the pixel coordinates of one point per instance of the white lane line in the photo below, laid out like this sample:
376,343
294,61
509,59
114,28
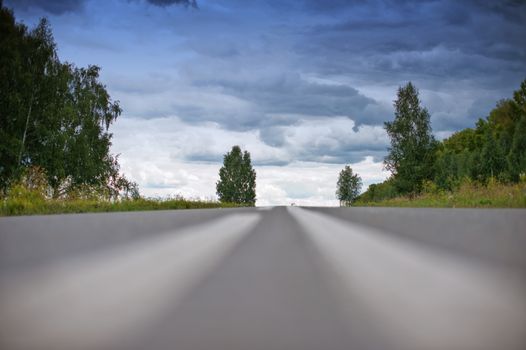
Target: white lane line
96,301
417,297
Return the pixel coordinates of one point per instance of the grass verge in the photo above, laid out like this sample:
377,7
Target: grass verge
39,206
468,195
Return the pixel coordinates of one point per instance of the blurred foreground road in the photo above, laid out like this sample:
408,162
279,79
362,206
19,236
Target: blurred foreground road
265,278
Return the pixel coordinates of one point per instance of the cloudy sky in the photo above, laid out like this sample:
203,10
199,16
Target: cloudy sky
304,85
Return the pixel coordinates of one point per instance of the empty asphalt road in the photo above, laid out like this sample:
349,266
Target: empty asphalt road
265,278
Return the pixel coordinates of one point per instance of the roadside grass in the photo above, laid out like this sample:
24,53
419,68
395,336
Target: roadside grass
35,205
468,195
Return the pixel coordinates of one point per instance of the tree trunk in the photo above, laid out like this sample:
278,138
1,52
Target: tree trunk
25,129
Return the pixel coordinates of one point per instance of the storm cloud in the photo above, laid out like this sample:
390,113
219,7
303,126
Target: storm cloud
56,7
192,3
59,7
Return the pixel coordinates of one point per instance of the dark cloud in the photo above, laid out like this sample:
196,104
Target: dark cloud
59,7
55,7
273,136
474,49
314,153
456,15
341,155
342,151
163,3
291,97
332,156
271,65
507,8
511,10
329,5
432,43
470,28
478,44
203,157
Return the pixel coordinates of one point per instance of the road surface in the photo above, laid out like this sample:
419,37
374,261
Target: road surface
265,278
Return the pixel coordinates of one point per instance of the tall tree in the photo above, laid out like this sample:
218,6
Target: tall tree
411,155
25,57
52,115
348,186
237,178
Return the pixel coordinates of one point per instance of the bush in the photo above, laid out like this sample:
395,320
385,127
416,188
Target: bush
468,194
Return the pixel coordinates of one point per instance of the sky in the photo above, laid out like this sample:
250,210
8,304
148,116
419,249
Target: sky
305,86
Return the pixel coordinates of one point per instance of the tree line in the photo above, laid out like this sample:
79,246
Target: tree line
494,150
54,118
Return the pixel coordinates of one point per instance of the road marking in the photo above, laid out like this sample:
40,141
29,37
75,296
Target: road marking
98,300
418,297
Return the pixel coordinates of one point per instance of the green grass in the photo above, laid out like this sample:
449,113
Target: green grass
468,195
38,206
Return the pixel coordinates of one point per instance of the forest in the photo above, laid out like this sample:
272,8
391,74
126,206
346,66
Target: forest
491,153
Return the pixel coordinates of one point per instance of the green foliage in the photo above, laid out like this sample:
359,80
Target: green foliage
502,121
378,192
30,196
348,186
53,116
493,160
237,179
470,159
412,150
462,140
450,166
493,149
469,194
30,203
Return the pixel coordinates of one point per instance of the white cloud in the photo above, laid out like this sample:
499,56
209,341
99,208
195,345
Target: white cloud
155,153
334,134
310,184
